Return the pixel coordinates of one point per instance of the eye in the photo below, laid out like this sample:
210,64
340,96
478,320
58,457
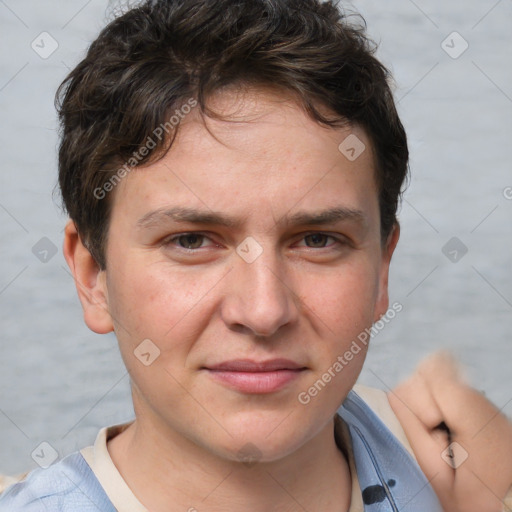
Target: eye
320,240
188,241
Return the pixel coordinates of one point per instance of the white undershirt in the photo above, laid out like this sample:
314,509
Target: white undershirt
123,499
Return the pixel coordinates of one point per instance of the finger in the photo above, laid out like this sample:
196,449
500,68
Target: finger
419,414
481,469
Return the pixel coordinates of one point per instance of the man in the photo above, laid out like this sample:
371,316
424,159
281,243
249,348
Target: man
232,172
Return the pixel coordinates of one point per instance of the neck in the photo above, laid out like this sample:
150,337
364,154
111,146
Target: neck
315,477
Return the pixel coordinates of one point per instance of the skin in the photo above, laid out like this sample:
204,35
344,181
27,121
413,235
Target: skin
302,299
437,393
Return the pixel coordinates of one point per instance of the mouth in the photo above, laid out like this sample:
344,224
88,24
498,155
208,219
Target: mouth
255,377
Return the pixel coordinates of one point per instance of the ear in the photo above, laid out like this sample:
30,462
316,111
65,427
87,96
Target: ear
382,303
90,281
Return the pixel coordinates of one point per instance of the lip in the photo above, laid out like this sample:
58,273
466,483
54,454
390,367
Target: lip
248,365
256,377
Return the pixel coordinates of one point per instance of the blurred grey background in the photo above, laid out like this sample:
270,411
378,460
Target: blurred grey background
452,62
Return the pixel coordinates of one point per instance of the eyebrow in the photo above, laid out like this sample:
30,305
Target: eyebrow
194,216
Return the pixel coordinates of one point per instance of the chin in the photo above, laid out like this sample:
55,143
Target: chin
250,453
266,444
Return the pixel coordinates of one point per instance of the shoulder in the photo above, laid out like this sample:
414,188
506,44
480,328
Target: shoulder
8,480
378,401
386,467
68,485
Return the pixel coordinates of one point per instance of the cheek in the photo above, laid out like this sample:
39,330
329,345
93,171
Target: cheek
342,309
344,299
159,301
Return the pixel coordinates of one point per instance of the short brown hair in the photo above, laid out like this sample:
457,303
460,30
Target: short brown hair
154,58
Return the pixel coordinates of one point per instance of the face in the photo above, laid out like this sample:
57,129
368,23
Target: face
251,258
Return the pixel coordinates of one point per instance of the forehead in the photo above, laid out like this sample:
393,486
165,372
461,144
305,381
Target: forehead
265,123
259,150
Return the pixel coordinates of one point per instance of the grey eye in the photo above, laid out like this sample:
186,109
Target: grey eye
317,240
191,241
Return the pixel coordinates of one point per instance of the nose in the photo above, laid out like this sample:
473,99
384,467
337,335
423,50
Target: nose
259,298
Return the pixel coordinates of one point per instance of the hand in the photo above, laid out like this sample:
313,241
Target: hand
440,414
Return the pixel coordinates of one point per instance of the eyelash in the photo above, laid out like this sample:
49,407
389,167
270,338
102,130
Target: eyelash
172,240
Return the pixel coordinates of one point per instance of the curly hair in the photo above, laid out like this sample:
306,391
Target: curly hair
158,56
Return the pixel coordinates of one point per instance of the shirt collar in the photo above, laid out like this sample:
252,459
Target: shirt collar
123,499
